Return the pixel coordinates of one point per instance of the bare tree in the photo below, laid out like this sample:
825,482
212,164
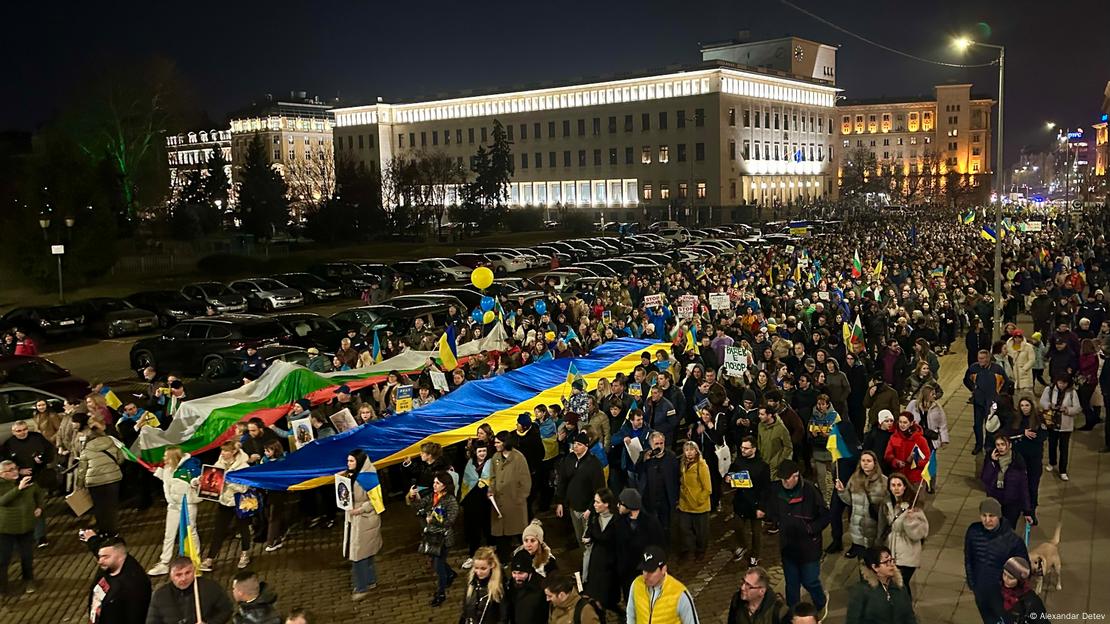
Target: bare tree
311,179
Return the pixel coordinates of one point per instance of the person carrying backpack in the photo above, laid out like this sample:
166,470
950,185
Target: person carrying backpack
568,606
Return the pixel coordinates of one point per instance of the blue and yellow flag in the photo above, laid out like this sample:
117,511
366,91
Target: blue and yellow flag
188,543
937,271
836,444
573,375
376,349
988,233
369,481
968,218
448,351
691,341
930,473
110,397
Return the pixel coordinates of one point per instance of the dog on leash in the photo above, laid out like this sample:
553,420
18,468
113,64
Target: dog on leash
1045,560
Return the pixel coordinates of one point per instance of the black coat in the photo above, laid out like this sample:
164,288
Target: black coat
527,603
602,582
801,520
170,605
261,610
746,500
657,477
576,480
640,533
985,552
123,598
530,444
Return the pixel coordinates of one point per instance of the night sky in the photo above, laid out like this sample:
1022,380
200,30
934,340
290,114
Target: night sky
235,51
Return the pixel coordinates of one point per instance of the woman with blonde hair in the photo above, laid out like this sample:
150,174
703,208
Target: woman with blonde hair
695,488
865,493
179,487
485,590
98,470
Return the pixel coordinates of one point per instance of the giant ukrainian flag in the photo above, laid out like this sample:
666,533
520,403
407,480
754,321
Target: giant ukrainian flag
204,424
454,418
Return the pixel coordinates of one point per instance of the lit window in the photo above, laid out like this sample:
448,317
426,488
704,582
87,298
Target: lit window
664,191
682,190
647,192
645,155
701,190
664,157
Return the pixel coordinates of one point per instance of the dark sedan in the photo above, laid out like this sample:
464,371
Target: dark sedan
61,321
111,317
42,374
188,347
170,305
315,289
305,329
419,275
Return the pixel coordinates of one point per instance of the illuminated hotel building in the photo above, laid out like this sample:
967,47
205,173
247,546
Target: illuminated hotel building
954,126
753,123
191,151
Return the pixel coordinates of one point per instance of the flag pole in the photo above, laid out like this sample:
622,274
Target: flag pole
916,494
196,597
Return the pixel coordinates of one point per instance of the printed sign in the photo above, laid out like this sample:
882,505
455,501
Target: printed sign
823,295
636,391
343,420
211,482
343,492
719,301
439,380
742,479
789,249
1033,226
404,399
736,361
302,432
653,301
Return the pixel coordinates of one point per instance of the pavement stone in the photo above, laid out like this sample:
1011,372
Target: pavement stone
310,572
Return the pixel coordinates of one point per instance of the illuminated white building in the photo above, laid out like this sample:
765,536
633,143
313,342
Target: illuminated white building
191,152
754,123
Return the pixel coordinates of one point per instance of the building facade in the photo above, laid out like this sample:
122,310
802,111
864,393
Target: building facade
191,152
950,131
703,139
297,135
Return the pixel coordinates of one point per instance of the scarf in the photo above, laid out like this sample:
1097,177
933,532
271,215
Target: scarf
792,495
1011,595
1003,466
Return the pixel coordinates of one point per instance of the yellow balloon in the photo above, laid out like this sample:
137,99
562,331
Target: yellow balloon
488,317
481,277
550,336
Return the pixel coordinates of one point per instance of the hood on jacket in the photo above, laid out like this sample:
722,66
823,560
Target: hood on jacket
872,579
265,600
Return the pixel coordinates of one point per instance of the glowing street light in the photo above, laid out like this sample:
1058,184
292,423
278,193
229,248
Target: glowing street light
1050,125
962,43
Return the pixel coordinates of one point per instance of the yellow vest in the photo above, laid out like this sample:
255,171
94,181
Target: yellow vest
665,608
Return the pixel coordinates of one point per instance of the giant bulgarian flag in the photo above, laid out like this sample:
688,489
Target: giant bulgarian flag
203,424
454,418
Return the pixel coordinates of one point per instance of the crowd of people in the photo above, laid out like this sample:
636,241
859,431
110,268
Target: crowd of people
810,403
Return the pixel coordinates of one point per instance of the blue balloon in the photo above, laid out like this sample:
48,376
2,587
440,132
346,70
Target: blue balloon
487,303
476,315
540,306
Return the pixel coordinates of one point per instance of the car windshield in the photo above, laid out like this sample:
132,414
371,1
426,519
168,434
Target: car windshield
435,264
60,312
112,305
34,372
215,289
261,330
268,284
447,262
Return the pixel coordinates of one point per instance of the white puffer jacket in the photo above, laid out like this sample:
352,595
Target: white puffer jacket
176,489
227,497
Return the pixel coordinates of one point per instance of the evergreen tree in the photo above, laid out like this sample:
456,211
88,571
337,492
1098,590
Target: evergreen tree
263,205
217,182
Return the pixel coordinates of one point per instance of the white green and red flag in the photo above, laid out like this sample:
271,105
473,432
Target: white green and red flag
855,339
857,266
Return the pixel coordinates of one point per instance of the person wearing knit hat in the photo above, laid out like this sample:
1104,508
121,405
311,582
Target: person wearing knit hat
988,545
630,499
540,559
578,475
1019,602
524,599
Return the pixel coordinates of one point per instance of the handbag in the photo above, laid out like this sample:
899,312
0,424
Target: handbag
993,423
80,501
432,541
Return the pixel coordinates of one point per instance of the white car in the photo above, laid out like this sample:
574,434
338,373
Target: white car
504,263
451,268
267,294
678,236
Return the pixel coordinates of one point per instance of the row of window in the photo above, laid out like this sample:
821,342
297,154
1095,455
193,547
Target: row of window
648,190
886,142
536,160
781,120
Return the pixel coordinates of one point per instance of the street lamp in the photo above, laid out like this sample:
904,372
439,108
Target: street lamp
57,250
962,44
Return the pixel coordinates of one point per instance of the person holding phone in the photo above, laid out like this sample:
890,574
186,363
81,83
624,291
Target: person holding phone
21,503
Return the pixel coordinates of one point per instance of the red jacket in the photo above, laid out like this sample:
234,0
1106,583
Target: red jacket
900,448
26,347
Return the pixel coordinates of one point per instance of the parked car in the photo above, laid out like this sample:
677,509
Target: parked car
42,374
217,295
560,280
621,266
46,322
360,317
548,252
505,285
663,225
400,321
449,267
386,274
418,274
263,293
188,347
470,297
18,403
472,260
111,317
531,259
313,288
677,236
502,263
410,301
169,305
305,329
352,280
225,368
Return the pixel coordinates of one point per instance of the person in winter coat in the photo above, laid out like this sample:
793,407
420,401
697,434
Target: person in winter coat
633,427
254,600
437,509
988,545
475,499
21,503
1005,478
511,482
657,480
567,605
756,601
484,600
577,476
878,438
660,415
984,379
120,592
880,597
908,451
605,533
527,440
708,434
179,489
643,531
98,470
774,443
880,396
1027,433
837,386
796,506
865,492
905,525
524,598
539,553
227,521
174,602
1020,357
856,372
752,482
922,376
362,527
928,413
1060,405
1020,604
820,426
693,502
